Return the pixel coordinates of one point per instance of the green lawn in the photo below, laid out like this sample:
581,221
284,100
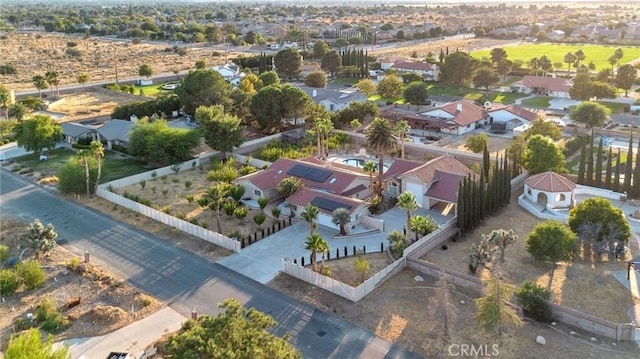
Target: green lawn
154,90
615,107
538,101
113,166
599,54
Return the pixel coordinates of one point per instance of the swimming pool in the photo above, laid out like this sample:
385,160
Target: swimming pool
359,162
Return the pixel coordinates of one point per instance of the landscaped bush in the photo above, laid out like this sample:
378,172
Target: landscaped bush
229,207
225,174
531,297
236,192
262,202
575,143
31,273
277,149
52,320
247,169
9,282
275,211
80,147
120,149
259,218
241,212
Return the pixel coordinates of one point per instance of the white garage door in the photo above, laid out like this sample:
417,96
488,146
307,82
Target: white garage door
325,220
416,189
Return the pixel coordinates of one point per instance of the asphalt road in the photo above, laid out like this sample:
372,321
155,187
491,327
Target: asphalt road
186,281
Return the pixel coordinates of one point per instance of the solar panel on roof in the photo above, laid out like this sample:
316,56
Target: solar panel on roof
328,204
311,173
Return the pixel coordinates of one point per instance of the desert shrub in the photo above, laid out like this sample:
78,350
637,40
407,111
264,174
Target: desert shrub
189,198
187,184
8,69
31,273
532,298
234,234
175,180
4,254
143,184
52,320
72,52
164,192
73,263
262,202
204,224
241,212
259,218
327,271
180,215
9,281
145,301
275,211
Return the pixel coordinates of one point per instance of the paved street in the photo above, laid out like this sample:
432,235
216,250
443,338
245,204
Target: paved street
186,281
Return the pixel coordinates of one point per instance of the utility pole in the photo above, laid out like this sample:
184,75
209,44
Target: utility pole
116,62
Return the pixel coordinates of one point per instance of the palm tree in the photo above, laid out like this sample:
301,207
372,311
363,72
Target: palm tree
423,225
322,128
310,215
83,155
580,56
397,242
4,100
323,248
216,194
534,64
18,111
314,244
407,201
97,150
569,58
40,83
342,218
619,54
402,129
287,187
53,79
355,124
370,167
380,139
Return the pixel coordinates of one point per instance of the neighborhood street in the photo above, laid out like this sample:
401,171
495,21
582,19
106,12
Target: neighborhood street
182,279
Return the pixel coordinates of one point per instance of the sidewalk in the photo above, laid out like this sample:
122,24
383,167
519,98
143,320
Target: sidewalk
132,339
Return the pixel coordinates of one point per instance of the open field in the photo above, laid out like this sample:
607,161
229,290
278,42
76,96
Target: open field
91,103
434,47
106,302
599,54
572,285
34,54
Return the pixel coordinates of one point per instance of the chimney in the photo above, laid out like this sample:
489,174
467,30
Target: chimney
314,93
459,107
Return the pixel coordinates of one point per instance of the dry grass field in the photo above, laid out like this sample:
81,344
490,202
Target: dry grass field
34,54
91,103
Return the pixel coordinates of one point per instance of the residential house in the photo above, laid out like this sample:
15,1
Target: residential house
506,118
556,35
542,85
230,72
386,63
436,182
73,131
428,71
458,117
315,174
326,203
334,100
391,177
115,132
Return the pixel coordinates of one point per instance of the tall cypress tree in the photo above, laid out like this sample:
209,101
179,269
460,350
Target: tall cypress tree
628,166
583,158
461,206
482,197
506,177
589,177
598,171
616,178
486,162
607,175
635,190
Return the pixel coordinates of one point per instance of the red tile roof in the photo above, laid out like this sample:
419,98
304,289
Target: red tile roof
267,179
549,83
470,112
550,182
306,195
444,163
399,167
445,187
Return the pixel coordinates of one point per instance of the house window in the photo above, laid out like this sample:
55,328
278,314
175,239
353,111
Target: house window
258,192
392,189
332,107
294,207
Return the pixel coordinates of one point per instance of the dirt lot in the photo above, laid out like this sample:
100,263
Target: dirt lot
106,302
396,310
496,144
36,53
91,103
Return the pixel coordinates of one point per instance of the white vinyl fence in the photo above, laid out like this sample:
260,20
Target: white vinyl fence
354,294
209,236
